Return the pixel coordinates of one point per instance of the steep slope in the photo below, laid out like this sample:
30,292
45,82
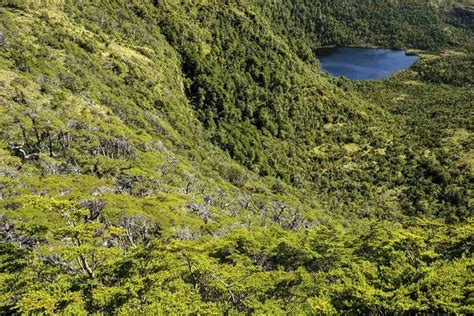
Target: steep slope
189,157
280,117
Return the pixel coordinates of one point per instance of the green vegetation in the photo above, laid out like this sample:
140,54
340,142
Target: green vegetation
182,157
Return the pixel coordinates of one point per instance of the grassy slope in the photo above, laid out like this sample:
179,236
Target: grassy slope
143,108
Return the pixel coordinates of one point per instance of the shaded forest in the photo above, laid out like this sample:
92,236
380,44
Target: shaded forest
189,157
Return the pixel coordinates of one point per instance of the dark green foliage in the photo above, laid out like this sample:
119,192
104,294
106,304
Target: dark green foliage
188,157
452,69
396,24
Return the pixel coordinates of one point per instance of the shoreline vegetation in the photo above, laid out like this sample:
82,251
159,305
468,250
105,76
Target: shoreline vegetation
189,157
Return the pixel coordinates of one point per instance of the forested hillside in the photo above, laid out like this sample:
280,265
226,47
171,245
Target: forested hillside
189,157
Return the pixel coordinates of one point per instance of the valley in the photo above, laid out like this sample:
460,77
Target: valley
193,157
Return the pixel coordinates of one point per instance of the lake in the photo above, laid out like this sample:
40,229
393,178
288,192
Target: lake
364,63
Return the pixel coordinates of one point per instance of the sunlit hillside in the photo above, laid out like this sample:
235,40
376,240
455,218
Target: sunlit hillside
190,157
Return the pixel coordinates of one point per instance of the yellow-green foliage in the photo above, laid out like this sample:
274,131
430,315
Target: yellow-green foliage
188,157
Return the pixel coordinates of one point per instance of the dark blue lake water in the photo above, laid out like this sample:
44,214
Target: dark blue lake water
363,63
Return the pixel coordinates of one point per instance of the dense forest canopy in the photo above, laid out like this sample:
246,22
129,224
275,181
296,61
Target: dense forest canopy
189,157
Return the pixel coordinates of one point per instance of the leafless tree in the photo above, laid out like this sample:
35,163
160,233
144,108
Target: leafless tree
95,208
140,230
3,38
10,234
202,209
23,152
